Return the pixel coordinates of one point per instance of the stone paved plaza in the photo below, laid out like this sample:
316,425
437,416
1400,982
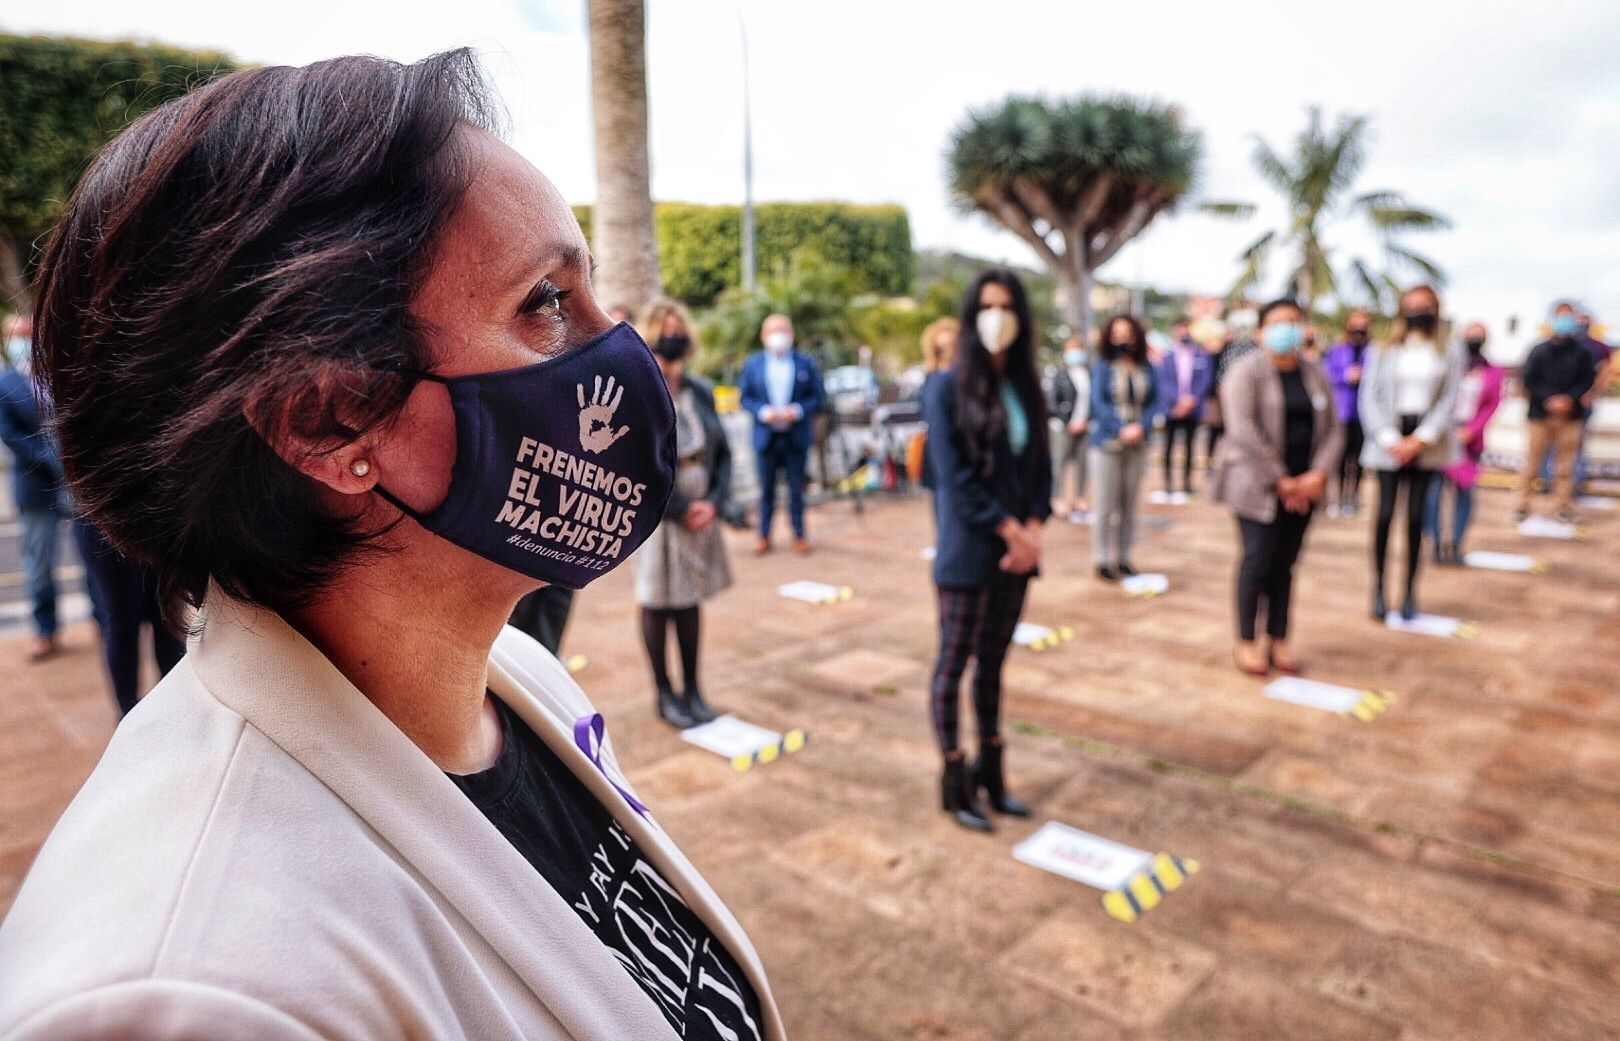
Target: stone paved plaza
1449,870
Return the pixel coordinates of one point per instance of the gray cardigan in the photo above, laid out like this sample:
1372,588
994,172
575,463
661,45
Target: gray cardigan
1382,423
1251,452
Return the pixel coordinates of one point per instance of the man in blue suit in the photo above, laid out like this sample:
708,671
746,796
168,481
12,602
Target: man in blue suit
36,481
781,389
1185,374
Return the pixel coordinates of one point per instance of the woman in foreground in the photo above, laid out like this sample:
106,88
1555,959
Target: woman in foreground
325,355
991,472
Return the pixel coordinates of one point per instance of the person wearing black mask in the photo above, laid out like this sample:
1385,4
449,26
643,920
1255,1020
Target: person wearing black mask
684,562
1408,403
1344,363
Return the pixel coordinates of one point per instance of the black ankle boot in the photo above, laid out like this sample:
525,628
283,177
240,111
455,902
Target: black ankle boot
696,707
958,797
1380,610
671,709
1409,609
987,774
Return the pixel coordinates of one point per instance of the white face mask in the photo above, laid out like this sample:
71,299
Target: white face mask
19,351
997,329
779,342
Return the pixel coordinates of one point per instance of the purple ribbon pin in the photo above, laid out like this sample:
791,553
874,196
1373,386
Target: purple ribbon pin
588,731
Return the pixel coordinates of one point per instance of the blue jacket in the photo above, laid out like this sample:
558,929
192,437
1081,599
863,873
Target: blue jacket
37,477
968,504
807,394
1105,422
1203,377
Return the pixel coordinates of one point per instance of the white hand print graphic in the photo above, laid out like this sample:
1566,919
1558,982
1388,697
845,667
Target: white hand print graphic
596,431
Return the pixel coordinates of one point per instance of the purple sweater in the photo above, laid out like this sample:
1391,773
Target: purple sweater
1340,357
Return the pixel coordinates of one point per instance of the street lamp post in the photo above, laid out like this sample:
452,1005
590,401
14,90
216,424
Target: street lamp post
748,167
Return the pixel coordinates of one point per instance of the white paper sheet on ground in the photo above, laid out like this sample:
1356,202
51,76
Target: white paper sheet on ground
812,592
1027,633
730,737
1329,697
1546,528
1493,561
929,552
1159,497
1146,584
1596,502
1086,858
1425,624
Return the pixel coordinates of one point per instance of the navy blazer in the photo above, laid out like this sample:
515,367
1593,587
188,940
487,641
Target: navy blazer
1105,423
807,394
968,504
1203,378
37,474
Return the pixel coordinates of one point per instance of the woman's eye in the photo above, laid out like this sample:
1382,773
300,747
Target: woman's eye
546,301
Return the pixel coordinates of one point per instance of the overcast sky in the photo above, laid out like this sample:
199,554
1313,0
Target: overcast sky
1505,117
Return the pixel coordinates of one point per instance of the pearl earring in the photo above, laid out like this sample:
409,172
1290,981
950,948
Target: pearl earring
360,467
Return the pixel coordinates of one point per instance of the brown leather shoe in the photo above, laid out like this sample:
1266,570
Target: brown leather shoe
801,547
762,545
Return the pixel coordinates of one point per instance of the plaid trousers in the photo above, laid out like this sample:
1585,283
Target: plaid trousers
975,622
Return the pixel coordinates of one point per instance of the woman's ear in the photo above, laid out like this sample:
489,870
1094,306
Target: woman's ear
286,422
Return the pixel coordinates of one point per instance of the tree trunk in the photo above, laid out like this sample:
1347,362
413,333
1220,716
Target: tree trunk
622,221
15,292
1075,277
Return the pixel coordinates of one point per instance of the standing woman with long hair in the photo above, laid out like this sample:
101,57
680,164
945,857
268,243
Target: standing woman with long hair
1408,404
1124,396
684,562
992,478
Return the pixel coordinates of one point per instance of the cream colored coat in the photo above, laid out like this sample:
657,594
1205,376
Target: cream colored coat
262,855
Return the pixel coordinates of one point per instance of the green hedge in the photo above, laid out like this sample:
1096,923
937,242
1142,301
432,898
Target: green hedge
700,247
61,98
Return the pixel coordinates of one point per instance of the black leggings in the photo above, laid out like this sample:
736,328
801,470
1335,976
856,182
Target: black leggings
655,622
1349,489
1416,481
1186,428
1215,432
975,622
126,598
1267,571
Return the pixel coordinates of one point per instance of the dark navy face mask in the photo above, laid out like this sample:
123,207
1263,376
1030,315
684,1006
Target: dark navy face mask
563,468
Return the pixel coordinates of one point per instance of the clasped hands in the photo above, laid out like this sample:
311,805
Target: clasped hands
1299,493
1023,541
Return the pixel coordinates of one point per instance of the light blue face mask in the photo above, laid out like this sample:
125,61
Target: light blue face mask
1074,358
1565,325
1284,337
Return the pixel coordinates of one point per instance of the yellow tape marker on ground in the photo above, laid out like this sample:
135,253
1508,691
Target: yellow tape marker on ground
791,742
576,663
1147,888
1372,705
1062,634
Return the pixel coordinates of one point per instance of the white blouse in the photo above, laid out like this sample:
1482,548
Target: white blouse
1418,368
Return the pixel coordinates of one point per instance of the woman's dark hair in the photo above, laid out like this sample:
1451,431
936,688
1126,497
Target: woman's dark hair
1136,350
980,416
1281,301
249,249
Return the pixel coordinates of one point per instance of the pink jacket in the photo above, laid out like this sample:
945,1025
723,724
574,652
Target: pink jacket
1465,471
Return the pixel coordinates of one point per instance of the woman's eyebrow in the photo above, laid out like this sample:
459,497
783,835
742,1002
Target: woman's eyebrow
562,257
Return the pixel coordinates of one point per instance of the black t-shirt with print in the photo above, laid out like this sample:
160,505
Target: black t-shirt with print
572,840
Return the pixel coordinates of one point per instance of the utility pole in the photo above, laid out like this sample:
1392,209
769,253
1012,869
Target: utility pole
748,264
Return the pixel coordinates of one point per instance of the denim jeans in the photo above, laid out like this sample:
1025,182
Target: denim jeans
39,541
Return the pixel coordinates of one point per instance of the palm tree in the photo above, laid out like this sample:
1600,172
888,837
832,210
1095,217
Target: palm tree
1316,180
1075,179
622,222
